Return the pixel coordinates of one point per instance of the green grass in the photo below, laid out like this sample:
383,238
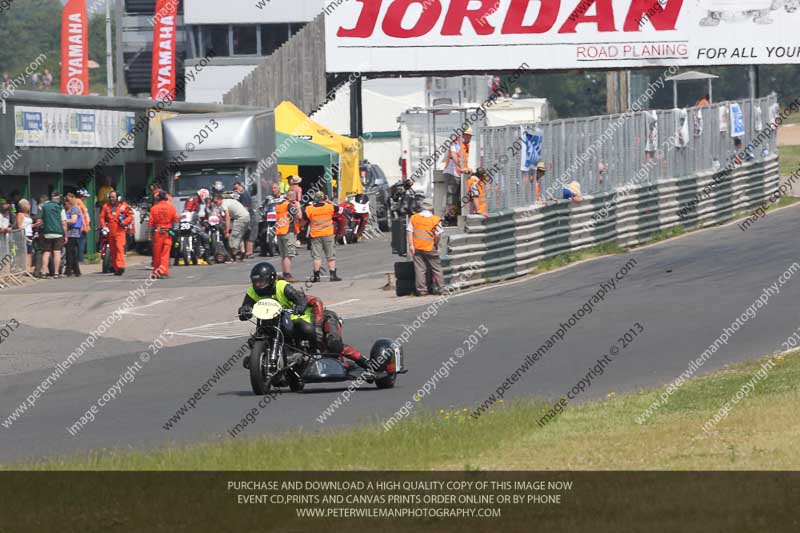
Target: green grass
559,261
789,159
760,433
665,234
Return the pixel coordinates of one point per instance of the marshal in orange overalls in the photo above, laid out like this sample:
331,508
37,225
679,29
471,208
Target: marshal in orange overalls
116,218
163,216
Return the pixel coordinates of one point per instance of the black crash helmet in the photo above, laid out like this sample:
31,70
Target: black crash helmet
263,278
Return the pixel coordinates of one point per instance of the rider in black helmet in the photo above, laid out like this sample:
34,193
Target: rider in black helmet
264,283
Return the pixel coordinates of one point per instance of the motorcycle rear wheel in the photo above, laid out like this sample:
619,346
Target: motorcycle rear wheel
386,382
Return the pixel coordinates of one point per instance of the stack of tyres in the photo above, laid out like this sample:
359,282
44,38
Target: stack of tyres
404,274
399,236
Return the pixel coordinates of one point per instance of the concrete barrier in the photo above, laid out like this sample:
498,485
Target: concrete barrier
512,242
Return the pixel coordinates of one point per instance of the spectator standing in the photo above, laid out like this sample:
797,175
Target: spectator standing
81,195
456,164
705,100
54,227
283,185
237,220
252,229
73,238
6,223
38,238
320,218
47,79
25,222
163,216
287,225
476,192
541,170
294,185
35,80
104,191
424,232
116,215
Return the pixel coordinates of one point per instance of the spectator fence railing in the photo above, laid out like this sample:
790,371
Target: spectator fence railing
606,153
13,260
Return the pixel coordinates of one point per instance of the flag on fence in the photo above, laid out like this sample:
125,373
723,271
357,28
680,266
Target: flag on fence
681,128
737,121
533,148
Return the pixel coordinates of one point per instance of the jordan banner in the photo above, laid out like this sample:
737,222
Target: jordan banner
490,35
74,48
162,81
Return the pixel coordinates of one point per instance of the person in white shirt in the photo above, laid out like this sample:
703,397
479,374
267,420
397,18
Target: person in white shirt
237,218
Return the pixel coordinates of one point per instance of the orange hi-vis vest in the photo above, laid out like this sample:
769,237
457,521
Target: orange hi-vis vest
460,158
283,219
424,231
321,220
481,194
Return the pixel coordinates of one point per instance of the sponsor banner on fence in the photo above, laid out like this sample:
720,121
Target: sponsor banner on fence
441,35
69,127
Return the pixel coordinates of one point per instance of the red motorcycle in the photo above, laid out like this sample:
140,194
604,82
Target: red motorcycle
342,218
352,221
105,251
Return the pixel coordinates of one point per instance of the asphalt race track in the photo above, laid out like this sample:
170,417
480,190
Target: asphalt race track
683,292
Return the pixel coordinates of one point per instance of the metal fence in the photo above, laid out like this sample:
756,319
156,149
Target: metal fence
606,153
13,260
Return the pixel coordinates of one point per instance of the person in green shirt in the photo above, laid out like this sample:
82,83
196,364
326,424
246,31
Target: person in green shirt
54,230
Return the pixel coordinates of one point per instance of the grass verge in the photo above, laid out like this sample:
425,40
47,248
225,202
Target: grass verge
789,159
759,433
552,263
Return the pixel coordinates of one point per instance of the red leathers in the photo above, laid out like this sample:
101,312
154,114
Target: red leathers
116,216
329,333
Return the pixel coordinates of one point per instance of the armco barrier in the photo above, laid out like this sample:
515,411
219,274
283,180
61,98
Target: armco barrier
511,242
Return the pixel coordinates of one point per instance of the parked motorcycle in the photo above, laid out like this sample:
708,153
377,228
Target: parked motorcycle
267,239
342,221
360,218
276,362
105,251
188,240
215,239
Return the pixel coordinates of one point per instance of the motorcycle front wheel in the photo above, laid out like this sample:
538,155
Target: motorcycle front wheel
106,261
259,379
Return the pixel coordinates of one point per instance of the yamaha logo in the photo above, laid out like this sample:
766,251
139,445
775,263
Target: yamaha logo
164,94
75,86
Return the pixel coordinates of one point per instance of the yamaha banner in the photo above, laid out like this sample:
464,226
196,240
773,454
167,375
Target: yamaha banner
74,48
162,81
